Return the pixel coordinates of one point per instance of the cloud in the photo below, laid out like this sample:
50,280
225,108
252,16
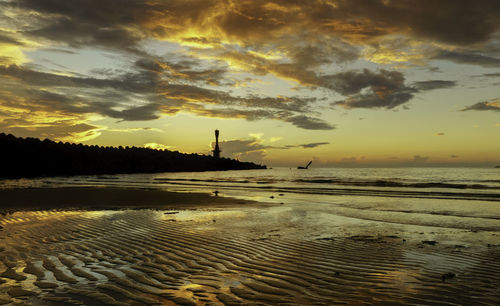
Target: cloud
492,105
443,21
434,84
155,96
59,129
6,38
255,149
467,57
367,89
352,82
304,146
257,22
139,113
140,83
158,146
309,123
494,75
243,149
382,89
313,145
76,34
188,70
132,130
420,159
308,34
214,40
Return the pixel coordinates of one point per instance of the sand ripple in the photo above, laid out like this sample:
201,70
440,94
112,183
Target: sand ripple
141,257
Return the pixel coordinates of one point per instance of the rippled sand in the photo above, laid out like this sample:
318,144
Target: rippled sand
232,256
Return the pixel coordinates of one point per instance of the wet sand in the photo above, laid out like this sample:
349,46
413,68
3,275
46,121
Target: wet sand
189,253
94,198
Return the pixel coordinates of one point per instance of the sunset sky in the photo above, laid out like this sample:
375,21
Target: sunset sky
340,82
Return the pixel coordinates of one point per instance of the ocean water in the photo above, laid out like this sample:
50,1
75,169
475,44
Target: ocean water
436,183
453,198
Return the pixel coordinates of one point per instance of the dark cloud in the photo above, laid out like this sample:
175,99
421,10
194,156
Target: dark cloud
434,84
305,145
311,34
382,89
59,50
85,95
493,75
140,113
324,30
464,57
183,70
445,21
448,21
323,52
309,123
75,105
373,100
434,69
150,81
78,35
367,89
6,38
293,104
301,121
158,97
492,105
313,145
141,83
82,23
420,159
352,82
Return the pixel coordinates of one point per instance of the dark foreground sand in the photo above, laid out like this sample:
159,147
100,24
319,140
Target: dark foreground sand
93,198
234,255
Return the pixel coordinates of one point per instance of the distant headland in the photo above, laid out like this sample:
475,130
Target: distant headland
32,157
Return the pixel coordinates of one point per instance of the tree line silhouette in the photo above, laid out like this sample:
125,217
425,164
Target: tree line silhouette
32,157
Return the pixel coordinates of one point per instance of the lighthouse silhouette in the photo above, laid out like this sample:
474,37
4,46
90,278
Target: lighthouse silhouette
216,149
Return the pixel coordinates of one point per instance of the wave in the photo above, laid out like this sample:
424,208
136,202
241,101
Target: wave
428,194
340,182
385,183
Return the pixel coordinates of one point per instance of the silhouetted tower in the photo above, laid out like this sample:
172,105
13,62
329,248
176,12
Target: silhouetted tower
216,150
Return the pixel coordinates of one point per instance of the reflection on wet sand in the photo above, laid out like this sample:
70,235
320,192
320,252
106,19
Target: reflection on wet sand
193,257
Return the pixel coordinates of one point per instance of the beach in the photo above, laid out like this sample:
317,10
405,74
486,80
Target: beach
104,244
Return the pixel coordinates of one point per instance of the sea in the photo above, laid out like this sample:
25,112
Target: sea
482,184
459,198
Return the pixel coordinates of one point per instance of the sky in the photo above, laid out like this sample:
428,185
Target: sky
339,82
